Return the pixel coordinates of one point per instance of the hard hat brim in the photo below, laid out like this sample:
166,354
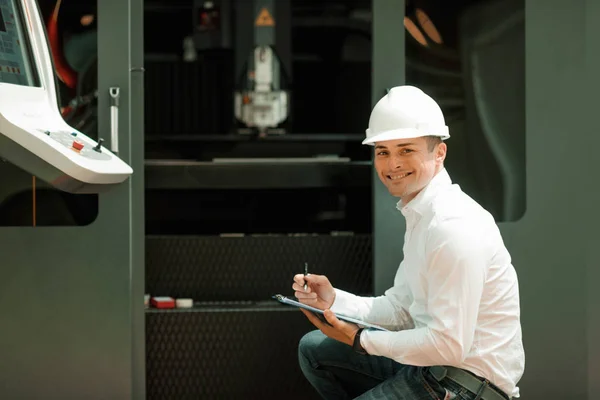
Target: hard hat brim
406,133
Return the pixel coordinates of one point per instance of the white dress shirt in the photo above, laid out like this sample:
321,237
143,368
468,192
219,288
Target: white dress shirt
455,298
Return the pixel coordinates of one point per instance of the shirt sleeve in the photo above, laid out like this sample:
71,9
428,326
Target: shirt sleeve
455,273
389,311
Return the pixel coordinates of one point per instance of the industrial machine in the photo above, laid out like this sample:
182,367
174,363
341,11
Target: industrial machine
33,135
262,99
261,103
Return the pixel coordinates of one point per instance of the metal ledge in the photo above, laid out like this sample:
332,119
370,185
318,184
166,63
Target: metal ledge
234,306
253,174
289,137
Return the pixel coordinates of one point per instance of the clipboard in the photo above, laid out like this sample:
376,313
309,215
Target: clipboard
285,300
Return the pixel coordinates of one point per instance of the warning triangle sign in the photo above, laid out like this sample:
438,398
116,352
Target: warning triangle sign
264,18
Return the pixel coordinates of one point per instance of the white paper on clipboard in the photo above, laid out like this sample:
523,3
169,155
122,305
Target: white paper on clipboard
288,301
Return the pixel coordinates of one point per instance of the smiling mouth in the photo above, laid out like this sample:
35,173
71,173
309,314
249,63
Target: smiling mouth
397,177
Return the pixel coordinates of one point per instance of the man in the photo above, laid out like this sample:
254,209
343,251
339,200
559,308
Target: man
453,310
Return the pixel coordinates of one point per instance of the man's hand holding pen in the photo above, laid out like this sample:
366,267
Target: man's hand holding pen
320,294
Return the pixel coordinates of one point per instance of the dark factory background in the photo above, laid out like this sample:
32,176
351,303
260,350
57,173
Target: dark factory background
325,49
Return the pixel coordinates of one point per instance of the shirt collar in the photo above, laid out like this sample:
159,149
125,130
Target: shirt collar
421,200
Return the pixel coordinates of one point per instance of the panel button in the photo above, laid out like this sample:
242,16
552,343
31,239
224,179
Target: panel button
77,145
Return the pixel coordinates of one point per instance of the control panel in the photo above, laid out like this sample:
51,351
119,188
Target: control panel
33,134
80,144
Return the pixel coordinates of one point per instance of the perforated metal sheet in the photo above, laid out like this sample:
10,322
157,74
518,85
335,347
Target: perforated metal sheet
225,354
253,268
237,350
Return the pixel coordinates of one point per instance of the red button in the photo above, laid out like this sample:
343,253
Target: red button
77,145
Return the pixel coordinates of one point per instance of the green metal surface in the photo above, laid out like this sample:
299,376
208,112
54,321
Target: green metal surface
549,244
552,245
388,71
591,197
72,315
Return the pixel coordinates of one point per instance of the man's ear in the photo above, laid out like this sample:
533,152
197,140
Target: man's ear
440,153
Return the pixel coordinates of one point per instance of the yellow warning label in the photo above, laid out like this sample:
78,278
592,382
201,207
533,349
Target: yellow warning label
264,18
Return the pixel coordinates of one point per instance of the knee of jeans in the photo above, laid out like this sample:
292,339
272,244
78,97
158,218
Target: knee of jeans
308,344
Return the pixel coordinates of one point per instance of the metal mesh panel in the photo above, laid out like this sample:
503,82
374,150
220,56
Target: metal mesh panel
238,350
253,268
225,354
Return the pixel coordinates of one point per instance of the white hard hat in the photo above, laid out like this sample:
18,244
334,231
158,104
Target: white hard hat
405,112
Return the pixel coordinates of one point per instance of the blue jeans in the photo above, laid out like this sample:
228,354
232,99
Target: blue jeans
336,371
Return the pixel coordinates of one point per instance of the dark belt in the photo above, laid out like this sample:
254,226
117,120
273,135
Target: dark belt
468,381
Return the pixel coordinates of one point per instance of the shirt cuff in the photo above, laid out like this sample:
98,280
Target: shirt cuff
343,303
366,341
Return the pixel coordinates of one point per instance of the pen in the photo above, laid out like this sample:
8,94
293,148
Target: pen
305,273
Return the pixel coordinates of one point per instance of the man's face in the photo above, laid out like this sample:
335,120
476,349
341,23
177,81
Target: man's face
406,166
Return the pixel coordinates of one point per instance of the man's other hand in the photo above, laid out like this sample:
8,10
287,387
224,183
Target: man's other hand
319,292
337,329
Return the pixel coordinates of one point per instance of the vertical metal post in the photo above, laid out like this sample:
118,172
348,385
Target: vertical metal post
138,214
121,64
388,71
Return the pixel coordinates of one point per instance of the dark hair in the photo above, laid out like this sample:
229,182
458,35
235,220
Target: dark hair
432,142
